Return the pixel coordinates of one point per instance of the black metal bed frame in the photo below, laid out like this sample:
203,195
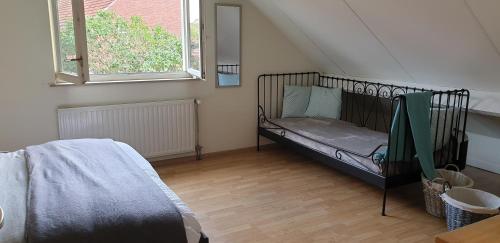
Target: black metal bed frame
228,68
371,105
203,238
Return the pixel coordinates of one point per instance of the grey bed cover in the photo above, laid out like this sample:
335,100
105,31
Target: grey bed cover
76,193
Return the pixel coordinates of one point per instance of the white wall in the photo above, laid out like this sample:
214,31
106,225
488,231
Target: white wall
228,35
448,42
445,43
484,136
227,116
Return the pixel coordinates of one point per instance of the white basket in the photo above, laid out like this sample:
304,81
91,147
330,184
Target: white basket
445,180
465,206
472,200
455,178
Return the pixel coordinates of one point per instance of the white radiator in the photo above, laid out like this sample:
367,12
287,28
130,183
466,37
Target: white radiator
154,129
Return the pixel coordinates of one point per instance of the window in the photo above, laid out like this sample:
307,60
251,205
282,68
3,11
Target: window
126,40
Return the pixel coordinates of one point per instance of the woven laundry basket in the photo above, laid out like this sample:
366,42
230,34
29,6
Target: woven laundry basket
433,189
466,206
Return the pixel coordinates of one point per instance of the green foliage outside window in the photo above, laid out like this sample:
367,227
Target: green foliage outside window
119,45
195,44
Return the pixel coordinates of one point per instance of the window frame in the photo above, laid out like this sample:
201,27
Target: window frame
83,75
187,38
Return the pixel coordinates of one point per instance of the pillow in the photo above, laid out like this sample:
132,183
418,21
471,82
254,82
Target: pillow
325,102
295,101
442,129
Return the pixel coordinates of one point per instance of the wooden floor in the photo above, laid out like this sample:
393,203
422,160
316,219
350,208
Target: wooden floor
279,196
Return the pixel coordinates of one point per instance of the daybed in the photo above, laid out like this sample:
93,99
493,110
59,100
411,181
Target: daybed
228,74
28,184
355,143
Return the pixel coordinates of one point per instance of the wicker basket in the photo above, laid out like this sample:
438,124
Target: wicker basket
433,189
466,206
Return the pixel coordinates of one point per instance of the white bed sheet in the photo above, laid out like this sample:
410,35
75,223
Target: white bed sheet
13,190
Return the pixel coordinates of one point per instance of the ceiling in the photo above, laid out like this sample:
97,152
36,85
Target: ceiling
449,43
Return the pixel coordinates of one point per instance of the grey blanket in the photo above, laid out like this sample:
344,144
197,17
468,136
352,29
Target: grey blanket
337,133
88,190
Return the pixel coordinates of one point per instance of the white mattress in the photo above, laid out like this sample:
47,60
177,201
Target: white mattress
13,189
327,130
228,79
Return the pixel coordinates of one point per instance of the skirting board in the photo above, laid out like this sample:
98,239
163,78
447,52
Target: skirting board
483,152
171,157
485,165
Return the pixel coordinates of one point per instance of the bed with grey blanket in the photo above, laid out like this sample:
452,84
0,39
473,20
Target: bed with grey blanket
90,191
334,137
325,134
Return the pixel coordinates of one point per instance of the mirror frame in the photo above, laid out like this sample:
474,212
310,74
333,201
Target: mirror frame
217,5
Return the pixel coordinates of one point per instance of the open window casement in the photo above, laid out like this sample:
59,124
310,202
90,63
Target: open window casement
194,32
72,67
77,41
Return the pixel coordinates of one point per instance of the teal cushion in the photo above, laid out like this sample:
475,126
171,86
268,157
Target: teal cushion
325,102
295,101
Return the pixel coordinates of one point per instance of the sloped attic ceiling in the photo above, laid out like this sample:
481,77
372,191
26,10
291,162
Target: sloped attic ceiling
450,43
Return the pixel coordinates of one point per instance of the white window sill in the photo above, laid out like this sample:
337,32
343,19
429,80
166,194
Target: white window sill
62,83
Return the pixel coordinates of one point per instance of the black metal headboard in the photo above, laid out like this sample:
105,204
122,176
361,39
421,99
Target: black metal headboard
228,68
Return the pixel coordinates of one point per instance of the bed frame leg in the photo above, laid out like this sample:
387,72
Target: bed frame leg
198,152
383,202
258,143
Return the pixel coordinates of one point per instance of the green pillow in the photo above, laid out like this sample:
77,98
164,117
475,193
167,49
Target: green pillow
325,102
295,101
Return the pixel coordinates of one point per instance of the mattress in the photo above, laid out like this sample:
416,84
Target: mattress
13,192
228,79
325,135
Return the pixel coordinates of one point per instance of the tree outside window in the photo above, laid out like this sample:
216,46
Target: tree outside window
120,45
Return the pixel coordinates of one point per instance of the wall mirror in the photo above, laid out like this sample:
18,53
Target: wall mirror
228,54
